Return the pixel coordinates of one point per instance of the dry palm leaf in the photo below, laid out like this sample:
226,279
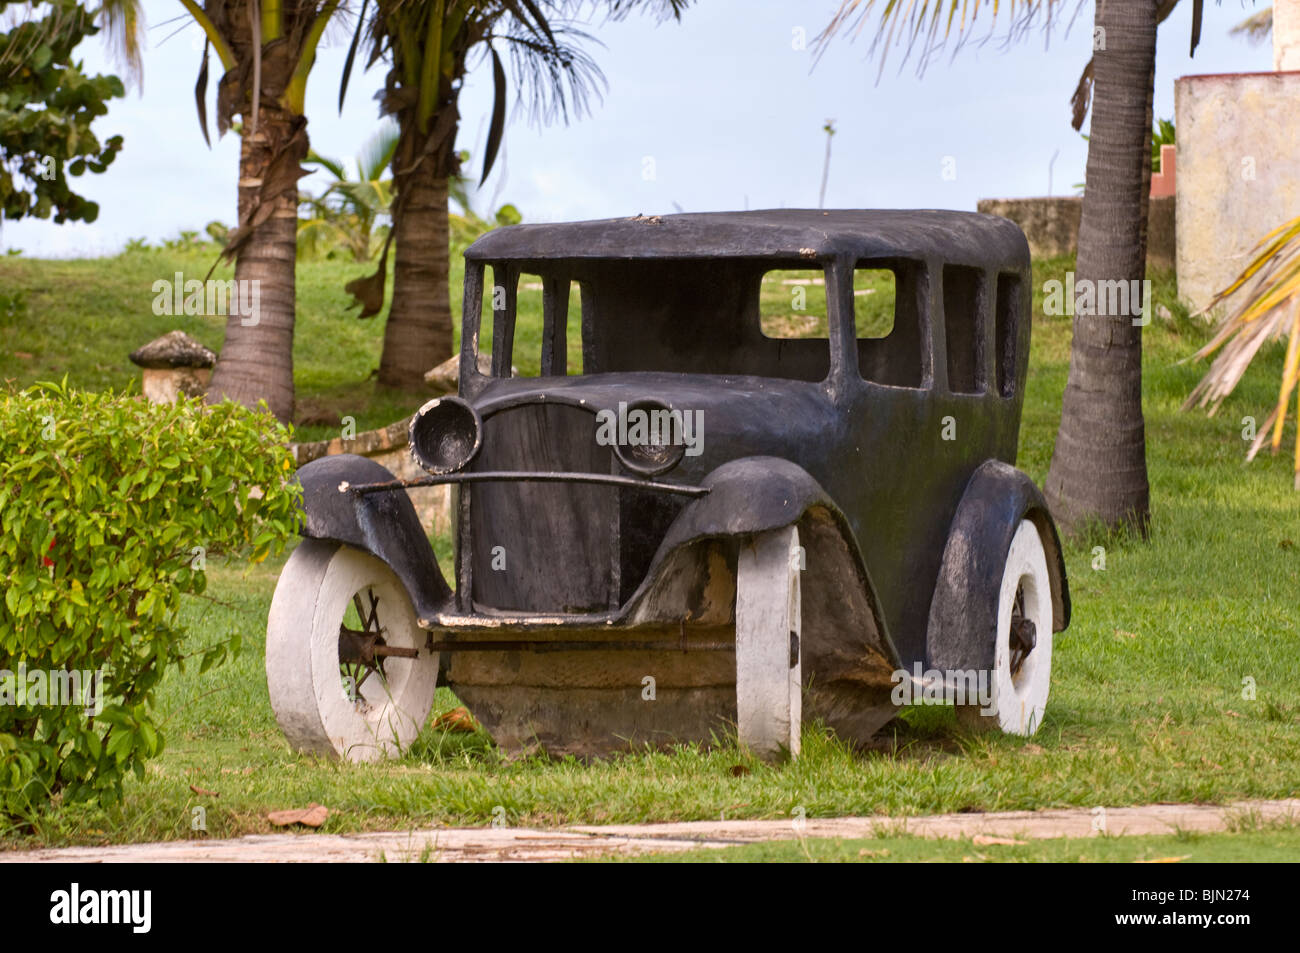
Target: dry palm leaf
1269,311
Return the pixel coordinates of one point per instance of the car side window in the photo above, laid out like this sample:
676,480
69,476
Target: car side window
888,316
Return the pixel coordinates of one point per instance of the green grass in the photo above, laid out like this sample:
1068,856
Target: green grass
1273,846
1147,702
83,317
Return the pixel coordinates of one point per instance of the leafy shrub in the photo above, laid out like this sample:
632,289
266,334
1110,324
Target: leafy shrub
109,510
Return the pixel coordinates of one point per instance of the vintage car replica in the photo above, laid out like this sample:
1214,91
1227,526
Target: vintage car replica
706,526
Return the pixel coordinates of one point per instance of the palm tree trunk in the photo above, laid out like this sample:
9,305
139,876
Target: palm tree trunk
256,361
418,335
1098,471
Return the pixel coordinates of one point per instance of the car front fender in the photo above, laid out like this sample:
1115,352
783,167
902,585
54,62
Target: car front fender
845,640
963,613
382,524
747,496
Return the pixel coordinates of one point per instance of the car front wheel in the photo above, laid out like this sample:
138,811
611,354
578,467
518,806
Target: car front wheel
768,666
348,668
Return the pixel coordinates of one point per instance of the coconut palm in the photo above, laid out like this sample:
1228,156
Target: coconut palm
428,47
1098,472
266,49
347,215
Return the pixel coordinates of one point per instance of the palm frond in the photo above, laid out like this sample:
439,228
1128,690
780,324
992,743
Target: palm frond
333,166
377,151
660,9
922,26
123,23
1257,27
1268,311
552,79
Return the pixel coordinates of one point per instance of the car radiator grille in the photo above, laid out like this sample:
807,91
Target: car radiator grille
544,547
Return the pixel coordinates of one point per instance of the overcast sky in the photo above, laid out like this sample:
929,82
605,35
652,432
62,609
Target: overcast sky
722,111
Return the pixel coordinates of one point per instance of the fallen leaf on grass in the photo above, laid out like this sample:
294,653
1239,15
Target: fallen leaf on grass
1164,860
1033,749
204,791
1126,634
313,815
988,840
883,852
1230,713
458,719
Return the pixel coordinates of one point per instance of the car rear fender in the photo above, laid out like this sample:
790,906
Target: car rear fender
963,611
383,524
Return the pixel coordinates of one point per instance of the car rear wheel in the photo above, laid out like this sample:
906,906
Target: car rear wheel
768,665
347,666
1022,667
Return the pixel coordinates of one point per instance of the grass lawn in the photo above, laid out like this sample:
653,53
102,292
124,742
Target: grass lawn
1148,701
1278,845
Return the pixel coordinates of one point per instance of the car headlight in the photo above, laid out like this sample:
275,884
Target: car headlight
655,451
445,435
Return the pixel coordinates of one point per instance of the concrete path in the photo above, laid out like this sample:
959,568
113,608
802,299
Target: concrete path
523,844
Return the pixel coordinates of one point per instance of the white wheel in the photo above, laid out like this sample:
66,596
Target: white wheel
768,664
1022,666
346,664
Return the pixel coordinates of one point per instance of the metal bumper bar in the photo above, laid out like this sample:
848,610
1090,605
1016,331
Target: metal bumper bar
502,476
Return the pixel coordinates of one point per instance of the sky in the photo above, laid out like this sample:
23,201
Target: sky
724,110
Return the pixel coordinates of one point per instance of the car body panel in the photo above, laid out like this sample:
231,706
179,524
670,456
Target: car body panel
888,454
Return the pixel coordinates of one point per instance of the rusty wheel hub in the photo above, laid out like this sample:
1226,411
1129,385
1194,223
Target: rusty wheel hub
363,651
1023,636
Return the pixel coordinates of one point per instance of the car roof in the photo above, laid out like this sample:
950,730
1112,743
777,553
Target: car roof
789,234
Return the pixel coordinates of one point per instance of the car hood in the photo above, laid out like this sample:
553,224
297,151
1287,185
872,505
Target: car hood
739,415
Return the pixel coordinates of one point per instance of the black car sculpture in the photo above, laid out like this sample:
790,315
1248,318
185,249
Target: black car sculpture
845,513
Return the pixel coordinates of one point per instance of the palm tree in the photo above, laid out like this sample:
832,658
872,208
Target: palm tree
347,214
1098,472
266,49
428,46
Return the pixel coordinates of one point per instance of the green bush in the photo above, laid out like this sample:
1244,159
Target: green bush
110,508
